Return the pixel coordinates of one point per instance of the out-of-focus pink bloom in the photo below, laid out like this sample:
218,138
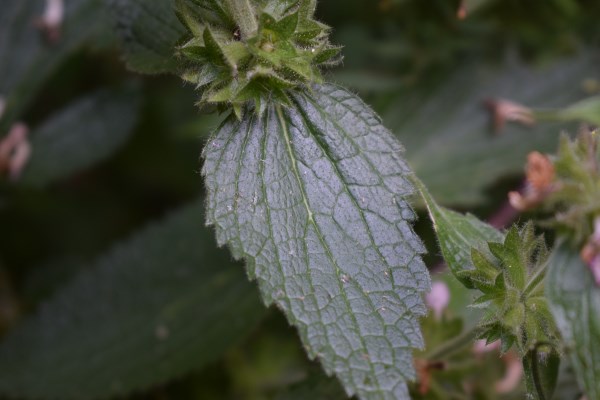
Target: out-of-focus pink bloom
14,151
481,346
438,299
508,111
512,376
461,13
51,21
514,369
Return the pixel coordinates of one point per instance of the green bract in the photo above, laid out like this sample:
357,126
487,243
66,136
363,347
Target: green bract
574,195
250,51
516,310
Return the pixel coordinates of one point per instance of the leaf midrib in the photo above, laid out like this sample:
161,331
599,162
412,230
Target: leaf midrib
311,220
353,198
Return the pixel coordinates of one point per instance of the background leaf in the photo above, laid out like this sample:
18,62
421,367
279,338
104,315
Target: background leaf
447,132
575,303
144,313
80,135
314,198
587,110
149,31
316,386
26,57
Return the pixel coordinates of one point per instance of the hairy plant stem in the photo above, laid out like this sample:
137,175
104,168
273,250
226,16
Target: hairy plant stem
452,346
536,279
244,16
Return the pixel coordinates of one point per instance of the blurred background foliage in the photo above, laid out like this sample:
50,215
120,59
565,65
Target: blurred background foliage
109,283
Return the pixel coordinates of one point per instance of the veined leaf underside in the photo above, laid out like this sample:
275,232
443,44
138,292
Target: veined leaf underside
313,197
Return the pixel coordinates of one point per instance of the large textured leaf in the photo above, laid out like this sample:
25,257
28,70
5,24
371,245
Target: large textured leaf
447,130
457,234
81,135
155,307
27,59
313,197
575,303
149,31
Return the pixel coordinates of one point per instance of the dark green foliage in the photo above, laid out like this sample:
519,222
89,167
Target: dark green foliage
108,159
27,57
443,121
148,34
142,314
58,147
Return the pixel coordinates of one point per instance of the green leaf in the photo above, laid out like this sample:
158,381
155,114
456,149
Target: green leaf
575,303
586,110
144,313
447,130
457,235
81,135
149,31
26,57
313,197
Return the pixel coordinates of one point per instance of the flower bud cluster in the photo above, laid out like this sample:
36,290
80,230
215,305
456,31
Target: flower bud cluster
248,52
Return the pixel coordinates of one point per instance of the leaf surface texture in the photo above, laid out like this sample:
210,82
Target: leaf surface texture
313,197
80,135
142,314
149,31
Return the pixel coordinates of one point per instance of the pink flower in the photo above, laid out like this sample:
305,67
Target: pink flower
506,110
14,151
52,19
438,299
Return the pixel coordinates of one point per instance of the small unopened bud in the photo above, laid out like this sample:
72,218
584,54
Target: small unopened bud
507,111
14,151
438,299
268,47
52,19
